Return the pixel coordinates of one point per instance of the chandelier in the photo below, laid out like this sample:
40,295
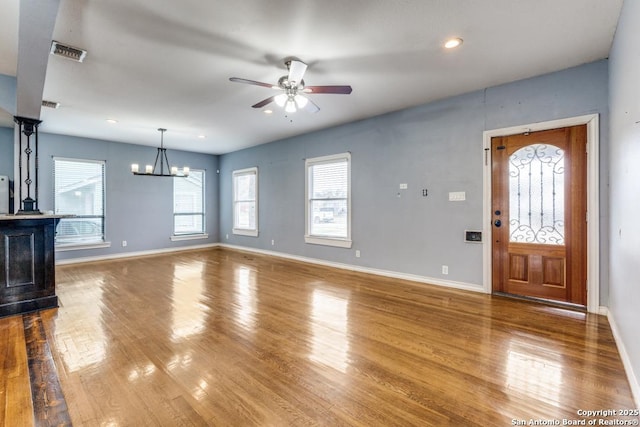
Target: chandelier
162,156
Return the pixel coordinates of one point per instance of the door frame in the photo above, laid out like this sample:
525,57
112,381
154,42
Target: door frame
593,199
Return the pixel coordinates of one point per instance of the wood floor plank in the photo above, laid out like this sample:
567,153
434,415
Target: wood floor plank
225,337
15,388
49,404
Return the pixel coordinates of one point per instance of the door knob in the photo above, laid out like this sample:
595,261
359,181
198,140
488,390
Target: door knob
497,223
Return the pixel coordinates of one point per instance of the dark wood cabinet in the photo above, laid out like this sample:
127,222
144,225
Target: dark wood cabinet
27,264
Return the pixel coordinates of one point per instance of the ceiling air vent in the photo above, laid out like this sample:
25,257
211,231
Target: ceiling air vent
50,104
68,52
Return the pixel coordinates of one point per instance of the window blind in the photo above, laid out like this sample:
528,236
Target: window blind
328,197
79,190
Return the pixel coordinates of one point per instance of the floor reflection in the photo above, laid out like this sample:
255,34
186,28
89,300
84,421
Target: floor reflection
199,392
534,370
137,373
329,316
245,298
182,360
82,343
188,310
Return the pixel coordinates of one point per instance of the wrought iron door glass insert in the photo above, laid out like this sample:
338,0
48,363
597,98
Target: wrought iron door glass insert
536,195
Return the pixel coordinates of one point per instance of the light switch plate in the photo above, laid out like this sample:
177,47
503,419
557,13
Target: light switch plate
457,196
404,186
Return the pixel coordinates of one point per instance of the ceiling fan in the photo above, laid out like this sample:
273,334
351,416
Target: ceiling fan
294,89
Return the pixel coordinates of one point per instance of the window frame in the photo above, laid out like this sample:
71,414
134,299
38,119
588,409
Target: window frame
189,236
251,232
78,245
341,242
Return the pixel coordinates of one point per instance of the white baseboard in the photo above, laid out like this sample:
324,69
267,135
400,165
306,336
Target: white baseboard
626,361
133,254
360,269
351,267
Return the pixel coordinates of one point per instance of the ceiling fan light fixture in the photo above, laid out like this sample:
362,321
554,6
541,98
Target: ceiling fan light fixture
281,99
301,101
293,88
290,107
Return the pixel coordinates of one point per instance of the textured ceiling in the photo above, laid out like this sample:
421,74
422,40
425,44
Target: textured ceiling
162,63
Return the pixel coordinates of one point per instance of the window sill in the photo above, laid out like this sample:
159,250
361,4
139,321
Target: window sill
181,237
241,232
81,246
328,241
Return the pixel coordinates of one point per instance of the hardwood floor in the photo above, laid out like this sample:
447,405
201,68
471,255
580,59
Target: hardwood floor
222,337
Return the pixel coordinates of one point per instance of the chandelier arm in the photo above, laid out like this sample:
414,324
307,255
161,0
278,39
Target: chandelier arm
158,155
164,152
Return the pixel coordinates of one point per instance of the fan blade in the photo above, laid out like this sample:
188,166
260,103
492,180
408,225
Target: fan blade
344,90
311,106
296,71
251,82
264,102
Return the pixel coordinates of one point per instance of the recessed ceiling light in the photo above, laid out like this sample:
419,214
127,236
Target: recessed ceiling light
268,111
112,121
201,136
453,43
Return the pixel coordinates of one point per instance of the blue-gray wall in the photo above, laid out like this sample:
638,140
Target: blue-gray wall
6,152
624,302
438,147
6,156
139,209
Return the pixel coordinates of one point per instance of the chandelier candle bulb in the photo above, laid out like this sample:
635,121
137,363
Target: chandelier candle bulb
148,169
185,171
135,168
174,170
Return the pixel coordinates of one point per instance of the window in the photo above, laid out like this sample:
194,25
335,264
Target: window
328,194
79,191
188,204
245,202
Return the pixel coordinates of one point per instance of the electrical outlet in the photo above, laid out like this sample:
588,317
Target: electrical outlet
357,253
445,269
124,243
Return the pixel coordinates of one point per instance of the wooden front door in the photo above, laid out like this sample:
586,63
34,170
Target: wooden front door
539,214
